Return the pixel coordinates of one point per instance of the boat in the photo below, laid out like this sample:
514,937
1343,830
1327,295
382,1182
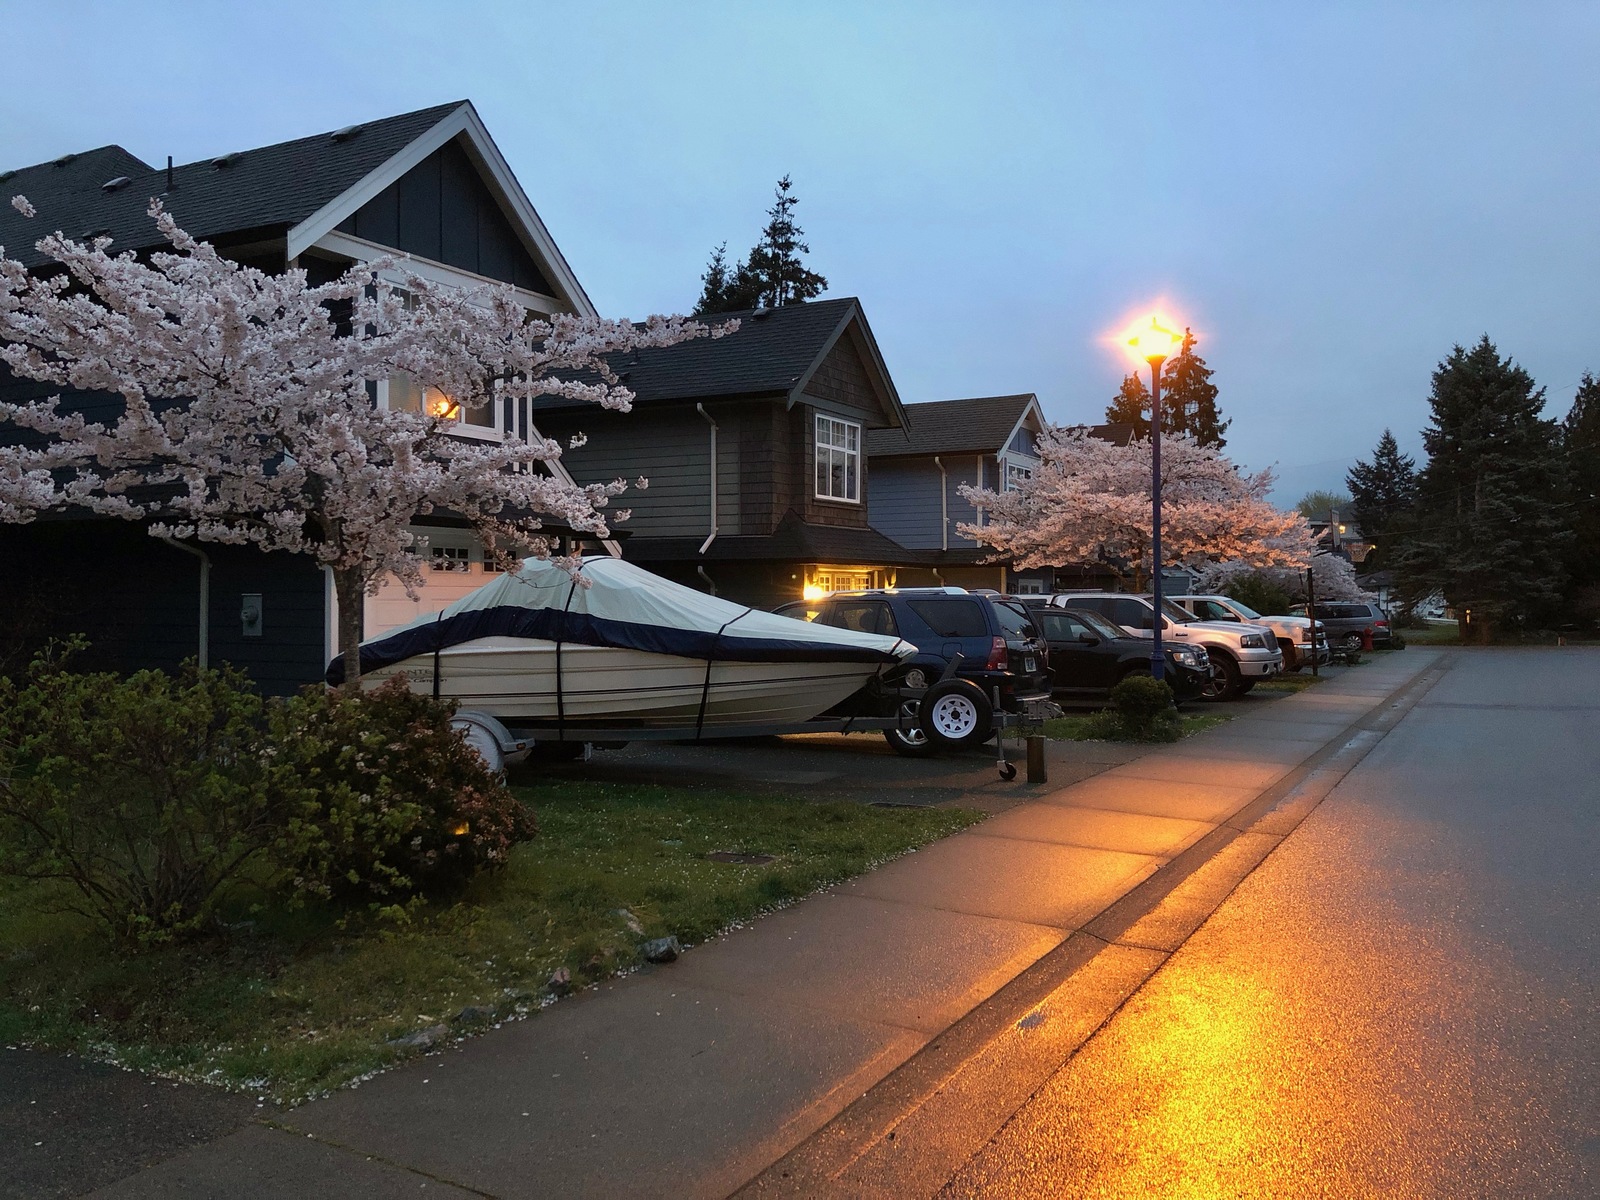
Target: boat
611,645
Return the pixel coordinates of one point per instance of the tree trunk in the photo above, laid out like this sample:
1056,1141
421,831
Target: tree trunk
350,587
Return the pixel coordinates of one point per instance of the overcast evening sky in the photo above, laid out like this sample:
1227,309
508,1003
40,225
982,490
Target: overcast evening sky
1331,195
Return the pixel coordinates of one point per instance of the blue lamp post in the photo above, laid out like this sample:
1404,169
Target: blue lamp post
1153,343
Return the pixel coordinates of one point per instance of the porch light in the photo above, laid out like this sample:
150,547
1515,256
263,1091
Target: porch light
812,592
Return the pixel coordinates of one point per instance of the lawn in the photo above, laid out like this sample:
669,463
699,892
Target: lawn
290,1004
1092,727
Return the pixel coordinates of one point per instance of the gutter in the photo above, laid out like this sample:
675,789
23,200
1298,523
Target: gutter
944,507
712,536
205,596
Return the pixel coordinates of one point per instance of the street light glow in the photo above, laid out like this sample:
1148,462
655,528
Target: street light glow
1153,341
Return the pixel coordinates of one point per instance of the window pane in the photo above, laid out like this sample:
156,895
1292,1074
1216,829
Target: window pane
952,618
404,394
850,492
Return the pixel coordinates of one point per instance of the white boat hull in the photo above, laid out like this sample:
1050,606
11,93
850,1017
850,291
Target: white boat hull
515,680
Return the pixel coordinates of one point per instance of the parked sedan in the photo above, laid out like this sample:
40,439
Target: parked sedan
1089,655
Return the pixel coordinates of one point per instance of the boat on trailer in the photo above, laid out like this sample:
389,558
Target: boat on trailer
612,646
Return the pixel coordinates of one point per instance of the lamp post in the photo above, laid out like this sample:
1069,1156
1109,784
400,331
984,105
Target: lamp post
1153,343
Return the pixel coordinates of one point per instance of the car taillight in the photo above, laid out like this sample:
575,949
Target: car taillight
997,655
1381,624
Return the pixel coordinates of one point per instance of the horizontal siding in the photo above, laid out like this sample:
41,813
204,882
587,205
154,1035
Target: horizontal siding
669,447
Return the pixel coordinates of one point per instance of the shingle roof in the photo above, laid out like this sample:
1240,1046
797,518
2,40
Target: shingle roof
271,188
978,425
793,541
769,353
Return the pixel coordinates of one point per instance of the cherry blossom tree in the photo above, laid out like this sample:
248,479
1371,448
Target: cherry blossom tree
248,413
1089,500
1333,577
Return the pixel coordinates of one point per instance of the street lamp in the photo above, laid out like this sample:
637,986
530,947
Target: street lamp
1153,343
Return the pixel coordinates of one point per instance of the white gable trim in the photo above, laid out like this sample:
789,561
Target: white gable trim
1031,408
347,245
486,155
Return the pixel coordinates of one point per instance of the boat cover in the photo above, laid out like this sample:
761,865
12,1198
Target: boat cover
626,606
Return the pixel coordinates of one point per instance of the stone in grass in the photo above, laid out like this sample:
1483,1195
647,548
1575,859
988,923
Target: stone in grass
632,922
421,1039
662,950
474,1014
560,981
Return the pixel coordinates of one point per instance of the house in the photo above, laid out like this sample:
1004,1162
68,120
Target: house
985,442
429,186
1339,534
755,446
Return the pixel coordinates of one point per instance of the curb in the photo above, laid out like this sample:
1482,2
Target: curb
1140,930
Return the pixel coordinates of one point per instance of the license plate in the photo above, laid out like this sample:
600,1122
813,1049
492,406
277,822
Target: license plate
1028,666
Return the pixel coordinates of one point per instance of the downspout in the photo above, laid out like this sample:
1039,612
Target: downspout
712,536
699,569
944,506
205,597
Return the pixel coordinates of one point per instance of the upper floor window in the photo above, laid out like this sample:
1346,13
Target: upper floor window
1017,473
405,394
838,459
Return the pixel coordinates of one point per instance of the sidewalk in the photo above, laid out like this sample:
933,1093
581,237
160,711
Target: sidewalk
690,1079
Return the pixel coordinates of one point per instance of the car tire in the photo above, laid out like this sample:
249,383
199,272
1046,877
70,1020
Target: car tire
1292,661
911,742
956,714
1225,680
1352,641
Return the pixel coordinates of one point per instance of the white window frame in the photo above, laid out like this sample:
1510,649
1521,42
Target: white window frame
845,450
462,427
1014,467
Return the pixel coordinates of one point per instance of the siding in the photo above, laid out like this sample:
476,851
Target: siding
442,210
905,499
136,598
671,447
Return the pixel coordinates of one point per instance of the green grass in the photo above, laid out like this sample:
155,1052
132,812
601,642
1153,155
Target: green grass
1098,726
1287,685
291,1005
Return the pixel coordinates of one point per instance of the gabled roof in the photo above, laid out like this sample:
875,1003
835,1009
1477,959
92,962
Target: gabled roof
980,425
266,190
774,352
793,541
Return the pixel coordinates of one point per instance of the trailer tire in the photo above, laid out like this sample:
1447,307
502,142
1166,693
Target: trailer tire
482,740
955,714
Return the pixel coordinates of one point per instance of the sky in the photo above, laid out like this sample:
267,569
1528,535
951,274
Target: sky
1332,196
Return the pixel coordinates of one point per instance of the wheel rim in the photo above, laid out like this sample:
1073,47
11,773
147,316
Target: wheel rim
955,716
910,734
1352,641
1216,682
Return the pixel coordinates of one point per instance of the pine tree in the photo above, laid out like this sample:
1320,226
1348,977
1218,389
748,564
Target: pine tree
1190,398
1131,405
1382,493
1491,531
772,275
1581,435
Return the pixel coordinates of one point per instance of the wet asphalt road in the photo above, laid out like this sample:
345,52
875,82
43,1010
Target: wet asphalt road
1400,1001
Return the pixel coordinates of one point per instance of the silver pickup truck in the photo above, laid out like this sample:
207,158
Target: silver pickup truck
1241,655
1293,633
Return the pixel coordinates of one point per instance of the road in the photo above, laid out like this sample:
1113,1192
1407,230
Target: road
1401,1000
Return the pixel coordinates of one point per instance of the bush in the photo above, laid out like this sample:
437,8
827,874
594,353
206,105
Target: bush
1145,709
146,795
1259,591
150,795
385,801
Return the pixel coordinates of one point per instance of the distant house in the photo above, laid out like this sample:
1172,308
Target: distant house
984,441
430,186
755,449
1339,534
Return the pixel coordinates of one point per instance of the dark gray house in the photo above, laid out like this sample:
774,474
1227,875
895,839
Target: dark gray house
755,448
430,186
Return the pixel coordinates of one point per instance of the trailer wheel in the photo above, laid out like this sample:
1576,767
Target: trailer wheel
910,740
484,742
955,713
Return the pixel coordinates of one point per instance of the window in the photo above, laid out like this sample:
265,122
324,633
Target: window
838,459
407,395
1014,621
1016,475
450,558
952,618
863,616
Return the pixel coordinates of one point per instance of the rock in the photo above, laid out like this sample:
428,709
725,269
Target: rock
662,950
560,981
474,1014
631,921
422,1039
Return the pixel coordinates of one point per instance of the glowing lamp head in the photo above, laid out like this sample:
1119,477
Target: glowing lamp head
812,592
1154,341
441,406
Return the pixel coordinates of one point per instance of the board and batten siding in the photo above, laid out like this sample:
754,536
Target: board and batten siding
905,499
670,447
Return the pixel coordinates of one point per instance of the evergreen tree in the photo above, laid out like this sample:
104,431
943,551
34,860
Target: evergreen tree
1382,492
772,275
1491,531
1581,435
1190,398
1131,405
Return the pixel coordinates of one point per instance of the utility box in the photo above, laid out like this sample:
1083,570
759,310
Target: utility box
250,614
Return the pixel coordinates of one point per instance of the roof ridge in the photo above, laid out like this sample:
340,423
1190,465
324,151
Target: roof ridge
441,109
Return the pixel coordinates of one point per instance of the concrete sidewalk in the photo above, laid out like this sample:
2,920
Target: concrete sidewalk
688,1080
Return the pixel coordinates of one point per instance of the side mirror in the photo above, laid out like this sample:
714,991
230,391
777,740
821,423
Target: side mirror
1088,639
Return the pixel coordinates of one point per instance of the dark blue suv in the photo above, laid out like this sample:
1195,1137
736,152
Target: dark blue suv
1001,653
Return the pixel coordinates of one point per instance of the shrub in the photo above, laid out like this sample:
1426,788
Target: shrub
146,795
1261,592
1145,708
385,801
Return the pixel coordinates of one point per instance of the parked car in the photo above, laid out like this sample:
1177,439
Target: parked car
1089,655
1240,655
1002,655
1293,633
1345,622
